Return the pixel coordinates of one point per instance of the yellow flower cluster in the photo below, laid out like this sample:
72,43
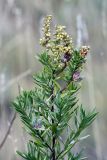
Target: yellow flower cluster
84,50
60,43
46,31
61,35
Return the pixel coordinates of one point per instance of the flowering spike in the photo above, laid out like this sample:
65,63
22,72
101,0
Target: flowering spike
46,31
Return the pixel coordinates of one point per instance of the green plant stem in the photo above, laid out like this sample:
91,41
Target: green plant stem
53,135
45,142
61,70
71,80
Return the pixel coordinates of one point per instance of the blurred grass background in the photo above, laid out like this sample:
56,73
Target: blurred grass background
20,30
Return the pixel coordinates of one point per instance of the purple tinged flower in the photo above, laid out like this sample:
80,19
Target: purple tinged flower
76,76
37,125
66,57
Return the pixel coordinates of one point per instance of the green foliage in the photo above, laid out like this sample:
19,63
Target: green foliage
51,108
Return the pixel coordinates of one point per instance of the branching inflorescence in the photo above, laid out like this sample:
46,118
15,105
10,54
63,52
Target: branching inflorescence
52,108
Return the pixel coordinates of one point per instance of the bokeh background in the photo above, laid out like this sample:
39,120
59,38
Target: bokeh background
20,30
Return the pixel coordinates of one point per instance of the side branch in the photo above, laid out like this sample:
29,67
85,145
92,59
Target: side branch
61,70
8,131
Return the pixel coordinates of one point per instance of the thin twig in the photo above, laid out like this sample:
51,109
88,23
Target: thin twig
63,89
8,131
71,80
